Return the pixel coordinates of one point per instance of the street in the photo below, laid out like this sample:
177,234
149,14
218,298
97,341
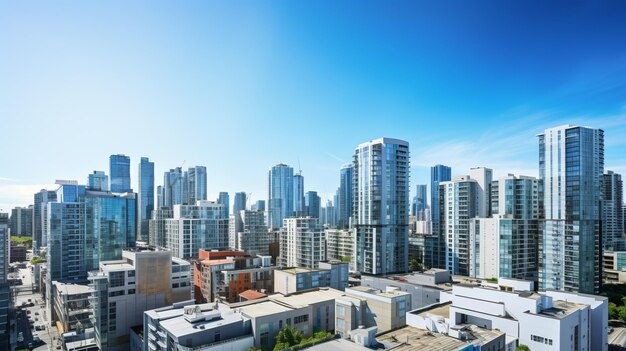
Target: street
618,337
31,315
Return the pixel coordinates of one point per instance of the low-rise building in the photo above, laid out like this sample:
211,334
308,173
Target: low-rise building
187,327
333,274
554,320
368,307
307,312
122,290
71,306
614,266
424,287
227,274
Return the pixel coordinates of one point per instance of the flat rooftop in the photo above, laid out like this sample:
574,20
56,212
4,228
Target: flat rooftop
263,309
413,339
71,289
561,309
439,309
179,326
296,270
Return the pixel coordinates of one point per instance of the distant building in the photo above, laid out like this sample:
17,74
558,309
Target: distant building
17,253
196,186
331,274
253,237
119,169
298,195
420,202
612,209
313,204
145,200
280,197
40,217
185,326
483,177
122,290
22,221
438,174
302,243
98,181
224,200
340,245
381,206
258,206
345,198
5,292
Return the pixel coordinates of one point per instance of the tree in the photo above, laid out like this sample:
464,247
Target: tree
416,265
613,311
522,347
345,259
621,312
287,337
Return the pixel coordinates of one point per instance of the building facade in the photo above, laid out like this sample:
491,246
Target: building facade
571,165
145,204
302,243
280,195
381,206
612,208
22,221
119,169
40,217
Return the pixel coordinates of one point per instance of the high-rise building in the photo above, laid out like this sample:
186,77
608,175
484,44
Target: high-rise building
5,293
298,195
483,177
258,206
506,245
145,204
381,206
253,237
612,205
119,169
197,185
571,165
302,243
340,245
173,187
312,202
240,202
22,221
224,200
438,173
194,227
280,195
458,204
328,215
344,198
98,181
159,196
40,217
235,225
420,202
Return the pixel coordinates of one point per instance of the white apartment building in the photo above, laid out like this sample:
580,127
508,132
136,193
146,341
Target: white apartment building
302,243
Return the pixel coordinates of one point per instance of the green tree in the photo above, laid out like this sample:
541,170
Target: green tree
345,258
613,311
287,337
416,265
522,347
621,312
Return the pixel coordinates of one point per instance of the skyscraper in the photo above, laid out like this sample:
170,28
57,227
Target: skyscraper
420,202
571,165
173,187
258,206
344,198
438,173
197,185
40,217
298,195
280,195
98,181
119,168
613,214
236,221
380,214
302,243
22,221
312,203
5,295
146,197
224,200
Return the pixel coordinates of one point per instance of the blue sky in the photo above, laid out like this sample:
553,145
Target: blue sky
241,85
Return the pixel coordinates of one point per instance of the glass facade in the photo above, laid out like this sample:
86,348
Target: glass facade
98,181
224,200
197,185
313,204
381,206
298,195
438,174
146,197
344,198
119,168
571,164
419,201
280,195
612,208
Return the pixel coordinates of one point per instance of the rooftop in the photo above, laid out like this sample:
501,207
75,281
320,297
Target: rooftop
413,339
252,295
439,309
71,289
561,309
178,326
296,270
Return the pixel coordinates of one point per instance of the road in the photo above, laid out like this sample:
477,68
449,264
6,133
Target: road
28,317
618,337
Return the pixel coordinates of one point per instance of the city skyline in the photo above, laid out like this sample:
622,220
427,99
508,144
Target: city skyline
233,86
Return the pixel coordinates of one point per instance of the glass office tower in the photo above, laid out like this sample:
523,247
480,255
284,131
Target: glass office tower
420,202
438,174
98,181
224,200
381,206
280,195
344,196
613,214
119,168
197,185
298,195
146,197
313,203
571,164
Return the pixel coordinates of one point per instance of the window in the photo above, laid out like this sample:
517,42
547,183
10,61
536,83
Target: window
131,273
340,323
116,279
131,291
341,310
301,319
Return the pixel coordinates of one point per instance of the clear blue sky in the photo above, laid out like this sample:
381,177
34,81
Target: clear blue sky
241,85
